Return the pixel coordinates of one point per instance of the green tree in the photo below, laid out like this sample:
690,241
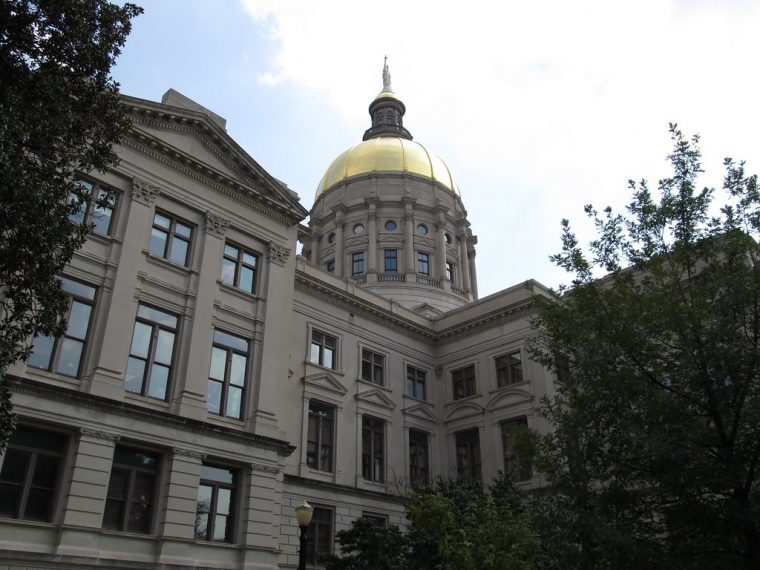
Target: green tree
453,525
655,454
59,116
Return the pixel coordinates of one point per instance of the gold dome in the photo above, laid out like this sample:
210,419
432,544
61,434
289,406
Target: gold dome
387,154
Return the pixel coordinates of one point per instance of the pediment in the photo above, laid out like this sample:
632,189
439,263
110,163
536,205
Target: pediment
464,410
375,397
427,310
420,411
196,144
509,397
325,381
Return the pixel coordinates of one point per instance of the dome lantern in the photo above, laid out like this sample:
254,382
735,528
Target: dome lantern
387,112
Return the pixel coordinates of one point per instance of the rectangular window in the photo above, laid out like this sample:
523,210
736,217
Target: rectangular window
468,453
131,491
320,437
520,469
320,533
151,354
227,374
357,263
96,208
170,238
562,367
449,271
323,349
216,497
423,263
416,384
509,369
373,367
463,382
373,449
419,462
239,268
391,260
30,474
330,266
64,354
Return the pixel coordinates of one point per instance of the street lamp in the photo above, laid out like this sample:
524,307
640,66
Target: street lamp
303,516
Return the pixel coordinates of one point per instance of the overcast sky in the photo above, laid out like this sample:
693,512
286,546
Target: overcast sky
538,107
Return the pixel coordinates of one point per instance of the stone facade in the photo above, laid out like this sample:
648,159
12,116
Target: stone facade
216,379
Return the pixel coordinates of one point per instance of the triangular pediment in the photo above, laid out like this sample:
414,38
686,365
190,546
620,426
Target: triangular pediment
509,397
197,144
464,410
427,310
376,398
420,411
325,381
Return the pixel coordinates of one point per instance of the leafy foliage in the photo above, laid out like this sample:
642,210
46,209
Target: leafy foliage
59,115
656,448
454,525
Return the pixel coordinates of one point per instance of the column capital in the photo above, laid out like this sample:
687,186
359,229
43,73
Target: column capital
216,225
143,192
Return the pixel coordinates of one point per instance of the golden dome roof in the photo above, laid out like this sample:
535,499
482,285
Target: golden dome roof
387,154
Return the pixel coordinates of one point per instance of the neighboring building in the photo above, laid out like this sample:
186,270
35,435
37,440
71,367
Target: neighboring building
211,379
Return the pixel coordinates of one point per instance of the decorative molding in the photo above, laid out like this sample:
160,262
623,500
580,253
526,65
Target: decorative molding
215,225
191,453
277,253
143,192
264,468
97,434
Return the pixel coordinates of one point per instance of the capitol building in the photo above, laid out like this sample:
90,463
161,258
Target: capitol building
212,378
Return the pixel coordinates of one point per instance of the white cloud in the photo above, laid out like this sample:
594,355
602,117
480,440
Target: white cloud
538,107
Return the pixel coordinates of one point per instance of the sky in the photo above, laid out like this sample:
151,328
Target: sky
538,107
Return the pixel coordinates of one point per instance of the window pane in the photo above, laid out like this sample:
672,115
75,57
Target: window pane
101,220
77,288
223,501
162,221
218,363
182,230
231,340
157,316
328,363
133,379
178,253
139,518
38,504
141,340
113,514
314,353
204,498
79,319
231,250
228,272
220,527
214,396
237,370
164,347
246,279
234,402
71,354
249,259
159,378
14,466
218,474
42,350
45,471
201,524
157,244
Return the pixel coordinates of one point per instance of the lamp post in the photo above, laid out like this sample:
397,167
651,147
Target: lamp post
304,512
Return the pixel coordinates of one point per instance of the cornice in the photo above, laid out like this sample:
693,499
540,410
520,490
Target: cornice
138,413
488,321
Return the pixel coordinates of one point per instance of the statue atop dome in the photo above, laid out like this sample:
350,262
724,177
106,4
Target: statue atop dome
386,76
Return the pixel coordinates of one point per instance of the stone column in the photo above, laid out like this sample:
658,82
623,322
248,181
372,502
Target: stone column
372,238
108,376
339,248
192,394
181,489
411,266
473,272
86,498
463,260
315,240
261,503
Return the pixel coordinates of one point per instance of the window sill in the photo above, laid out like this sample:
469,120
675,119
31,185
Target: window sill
180,269
416,399
335,371
367,383
237,292
465,399
508,387
146,401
